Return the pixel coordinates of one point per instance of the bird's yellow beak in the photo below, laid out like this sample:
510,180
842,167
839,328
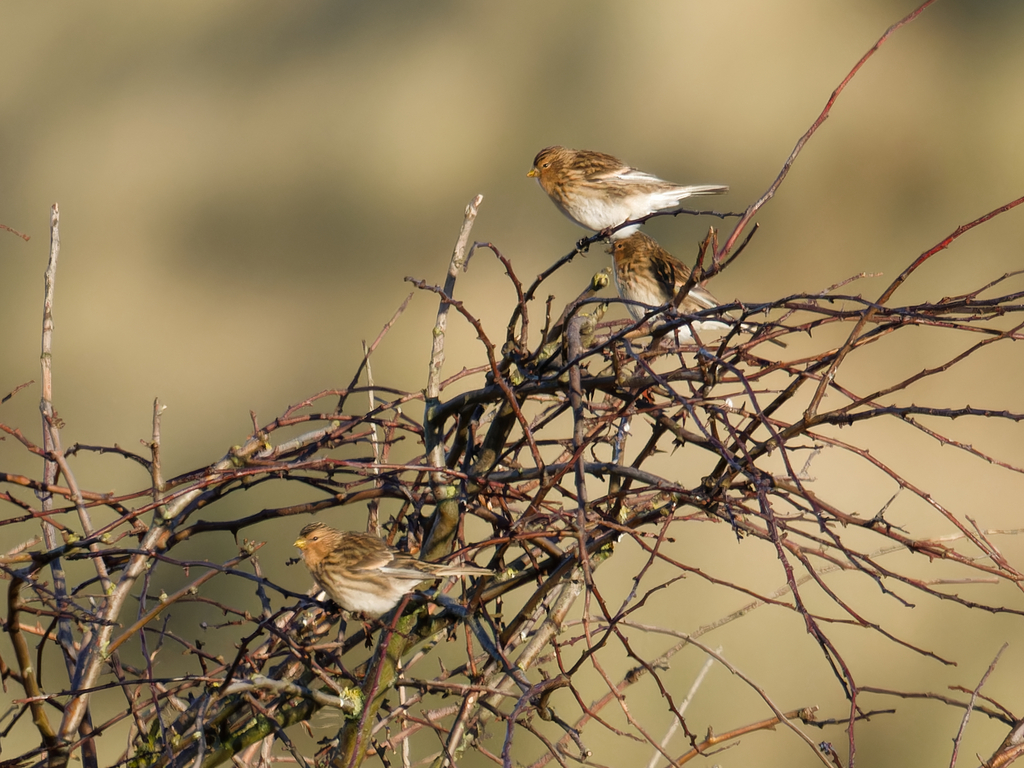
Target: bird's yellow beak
534,173
300,543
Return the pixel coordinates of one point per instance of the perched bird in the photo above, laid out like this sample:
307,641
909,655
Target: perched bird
361,573
647,273
599,191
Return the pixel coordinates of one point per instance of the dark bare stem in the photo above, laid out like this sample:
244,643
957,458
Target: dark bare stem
770,193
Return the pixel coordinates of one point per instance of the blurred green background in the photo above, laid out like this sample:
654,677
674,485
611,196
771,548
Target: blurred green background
243,187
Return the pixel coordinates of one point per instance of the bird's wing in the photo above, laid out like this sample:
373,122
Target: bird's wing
369,552
408,567
701,295
623,173
668,275
673,275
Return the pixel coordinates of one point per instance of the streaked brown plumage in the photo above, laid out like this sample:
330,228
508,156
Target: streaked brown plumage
647,273
361,573
598,191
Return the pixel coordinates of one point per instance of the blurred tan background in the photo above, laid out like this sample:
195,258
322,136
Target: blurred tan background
243,187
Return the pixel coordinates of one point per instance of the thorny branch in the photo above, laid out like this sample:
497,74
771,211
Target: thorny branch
549,506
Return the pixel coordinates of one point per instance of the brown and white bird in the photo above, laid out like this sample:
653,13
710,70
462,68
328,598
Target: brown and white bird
649,275
598,191
361,573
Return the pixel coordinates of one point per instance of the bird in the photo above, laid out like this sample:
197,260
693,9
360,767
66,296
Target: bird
598,191
362,574
648,276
